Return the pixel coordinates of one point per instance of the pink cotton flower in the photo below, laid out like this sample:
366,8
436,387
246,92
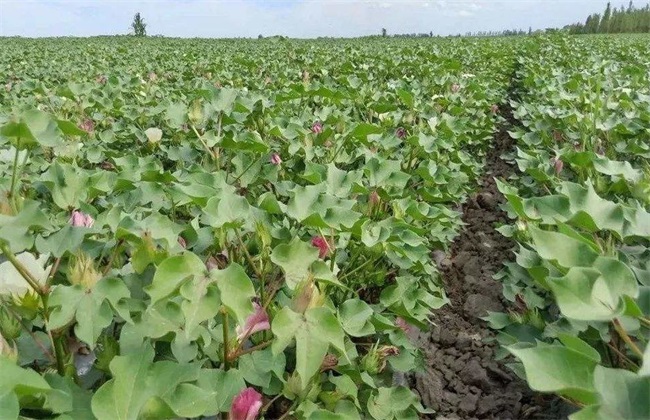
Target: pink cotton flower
276,159
101,79
182,242
317,127
152,76
455,88
246,405
87,125
494,108
322,245
258,321
80,219
401,133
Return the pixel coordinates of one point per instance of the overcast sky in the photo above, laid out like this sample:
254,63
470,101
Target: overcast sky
294,18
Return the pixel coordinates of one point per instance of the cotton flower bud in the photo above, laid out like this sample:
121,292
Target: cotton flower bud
317,127
82,272
196,113
276,159
8,351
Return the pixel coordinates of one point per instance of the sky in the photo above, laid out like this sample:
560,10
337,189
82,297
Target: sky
293,18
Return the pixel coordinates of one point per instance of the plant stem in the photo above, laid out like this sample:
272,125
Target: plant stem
29,278
621,332
358,268
53,270
622,356
249,350
248,255
245,170
288,411
113,255
226,362
210,151
268,405
58,351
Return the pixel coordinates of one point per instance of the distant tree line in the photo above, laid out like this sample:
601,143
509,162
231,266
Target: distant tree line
614,21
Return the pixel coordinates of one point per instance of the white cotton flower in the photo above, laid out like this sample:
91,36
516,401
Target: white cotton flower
154,135
11,282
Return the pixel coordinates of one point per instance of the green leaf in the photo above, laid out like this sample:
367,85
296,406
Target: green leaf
623,394
236,291
355,317
313,332
21,381
34,127
124,396
259,367
295,259
223,386
172,273
594,294
556,368
68,239
9,406
568,252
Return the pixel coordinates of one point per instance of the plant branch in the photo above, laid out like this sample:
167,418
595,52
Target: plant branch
210,151
621,332
226,362
112,257
248,255
45,351
260,346
24,272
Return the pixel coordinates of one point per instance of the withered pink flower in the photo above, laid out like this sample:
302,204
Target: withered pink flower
152,76
276,159
494,108
558,165
101,79
87,125
258,321
401,133
557,136
455,88
329,362
246,405
81,219
8,87
182,242
322,245
212,264
403,325
374,198
317,127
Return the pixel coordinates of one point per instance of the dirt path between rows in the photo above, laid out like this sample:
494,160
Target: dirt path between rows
462,379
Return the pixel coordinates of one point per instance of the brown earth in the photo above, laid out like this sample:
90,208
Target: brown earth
462,379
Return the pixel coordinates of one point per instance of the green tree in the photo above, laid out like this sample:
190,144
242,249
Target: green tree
604,23
138,25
